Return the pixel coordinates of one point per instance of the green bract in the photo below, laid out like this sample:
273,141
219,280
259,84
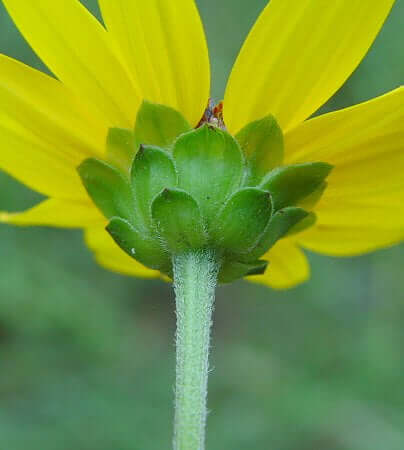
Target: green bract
262,143
159,125
167,188
121,146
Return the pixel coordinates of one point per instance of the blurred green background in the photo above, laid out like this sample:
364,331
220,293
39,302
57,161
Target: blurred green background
87,356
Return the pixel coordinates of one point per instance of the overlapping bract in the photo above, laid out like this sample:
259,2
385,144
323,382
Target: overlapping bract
296,56
185,189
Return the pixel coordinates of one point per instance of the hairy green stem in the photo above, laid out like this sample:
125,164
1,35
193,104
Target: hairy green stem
195,278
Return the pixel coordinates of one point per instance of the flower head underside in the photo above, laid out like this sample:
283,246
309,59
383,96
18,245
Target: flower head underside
154,53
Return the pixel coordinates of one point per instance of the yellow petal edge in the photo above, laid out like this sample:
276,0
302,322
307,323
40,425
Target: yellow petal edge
298,54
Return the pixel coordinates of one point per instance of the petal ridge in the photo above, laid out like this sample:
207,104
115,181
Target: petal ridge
77,49
164,45
304,65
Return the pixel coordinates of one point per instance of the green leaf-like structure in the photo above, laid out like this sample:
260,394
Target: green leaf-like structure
138,244
168,189
290,184
243,220
210,167
152,171
262,143
108,187
159,125
121,148
178,220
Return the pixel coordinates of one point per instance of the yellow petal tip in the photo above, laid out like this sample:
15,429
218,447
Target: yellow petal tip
5,217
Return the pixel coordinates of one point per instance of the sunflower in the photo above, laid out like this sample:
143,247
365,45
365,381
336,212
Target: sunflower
297,55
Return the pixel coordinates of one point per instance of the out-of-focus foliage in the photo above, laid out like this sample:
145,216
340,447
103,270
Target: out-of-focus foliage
87,357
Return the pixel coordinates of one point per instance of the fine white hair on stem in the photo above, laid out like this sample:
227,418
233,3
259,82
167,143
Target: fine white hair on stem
195,279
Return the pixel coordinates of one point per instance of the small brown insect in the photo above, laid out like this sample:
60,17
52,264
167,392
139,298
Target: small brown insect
213,115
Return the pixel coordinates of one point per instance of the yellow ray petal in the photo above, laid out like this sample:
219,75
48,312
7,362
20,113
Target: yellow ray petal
352,135
350,225
57,213
385,212
48,109
39,164
366,145
362,209
164,45
76,48
297,55
288,266
45,131
109,255
348,240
